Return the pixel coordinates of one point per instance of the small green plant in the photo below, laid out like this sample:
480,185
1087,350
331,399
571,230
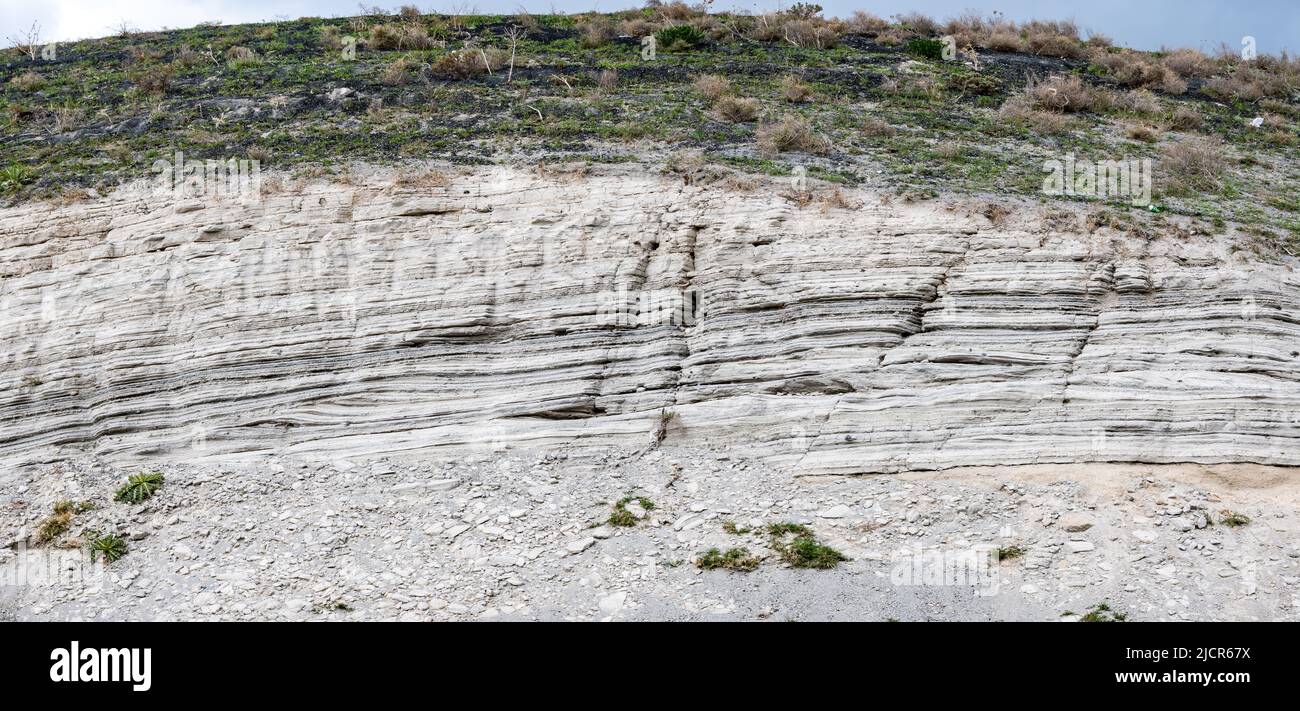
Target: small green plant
1009,552
928,48
620,516
1232,519
733,529
803,550
111,546
332,606
13,177
736,559
1101,612
679,37
238,58
780,529
139,487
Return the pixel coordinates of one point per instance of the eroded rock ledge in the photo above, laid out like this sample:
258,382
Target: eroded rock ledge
512,309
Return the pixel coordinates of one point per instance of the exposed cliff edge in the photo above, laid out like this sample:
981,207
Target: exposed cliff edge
515,309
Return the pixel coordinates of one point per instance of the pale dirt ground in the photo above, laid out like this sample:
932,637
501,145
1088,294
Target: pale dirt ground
518,535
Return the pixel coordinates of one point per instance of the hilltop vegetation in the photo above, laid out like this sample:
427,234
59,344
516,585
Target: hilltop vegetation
857,101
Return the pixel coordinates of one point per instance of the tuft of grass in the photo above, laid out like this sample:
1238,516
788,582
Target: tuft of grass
733,529
139,487
154,80
1067,94
397,73
620,516
711,87
28,81
1101,612
1185,118
735,559
1232,519
239,57
794,90
791,133
1143,132
111,546
466,63
736,109
58,522
1189,166
1010,552
803,550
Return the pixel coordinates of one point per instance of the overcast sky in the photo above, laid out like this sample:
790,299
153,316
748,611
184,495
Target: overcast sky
1149,24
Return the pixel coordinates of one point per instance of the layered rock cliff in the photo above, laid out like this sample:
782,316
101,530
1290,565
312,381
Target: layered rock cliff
508,309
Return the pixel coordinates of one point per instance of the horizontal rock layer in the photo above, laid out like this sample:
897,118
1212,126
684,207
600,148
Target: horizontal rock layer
510,309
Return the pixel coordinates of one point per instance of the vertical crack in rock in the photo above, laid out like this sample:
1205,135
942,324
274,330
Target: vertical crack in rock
1106,300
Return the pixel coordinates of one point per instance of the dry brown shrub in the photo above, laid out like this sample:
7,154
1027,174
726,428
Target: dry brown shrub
28,81
421,179
949,150
676,11
1139,101
814,34
1171,83
1005,42
635,27
875,128
187,58
1067,94
1185,118
597,31
1019,109
1055,46
1097,39
1142,132
398,72
794,90
891,37
736,109
711,87
1187,62
469,62
154,80
919,23
865,23
1190,165
836,199
791,133
767,27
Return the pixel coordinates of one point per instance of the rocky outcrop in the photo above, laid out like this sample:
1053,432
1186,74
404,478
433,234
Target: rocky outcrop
514,309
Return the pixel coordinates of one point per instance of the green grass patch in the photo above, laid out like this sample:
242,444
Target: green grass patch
1101,612
735,559
1232,519
1010,552
798,546
620,516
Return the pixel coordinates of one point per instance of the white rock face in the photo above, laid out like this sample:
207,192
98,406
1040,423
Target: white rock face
509,309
